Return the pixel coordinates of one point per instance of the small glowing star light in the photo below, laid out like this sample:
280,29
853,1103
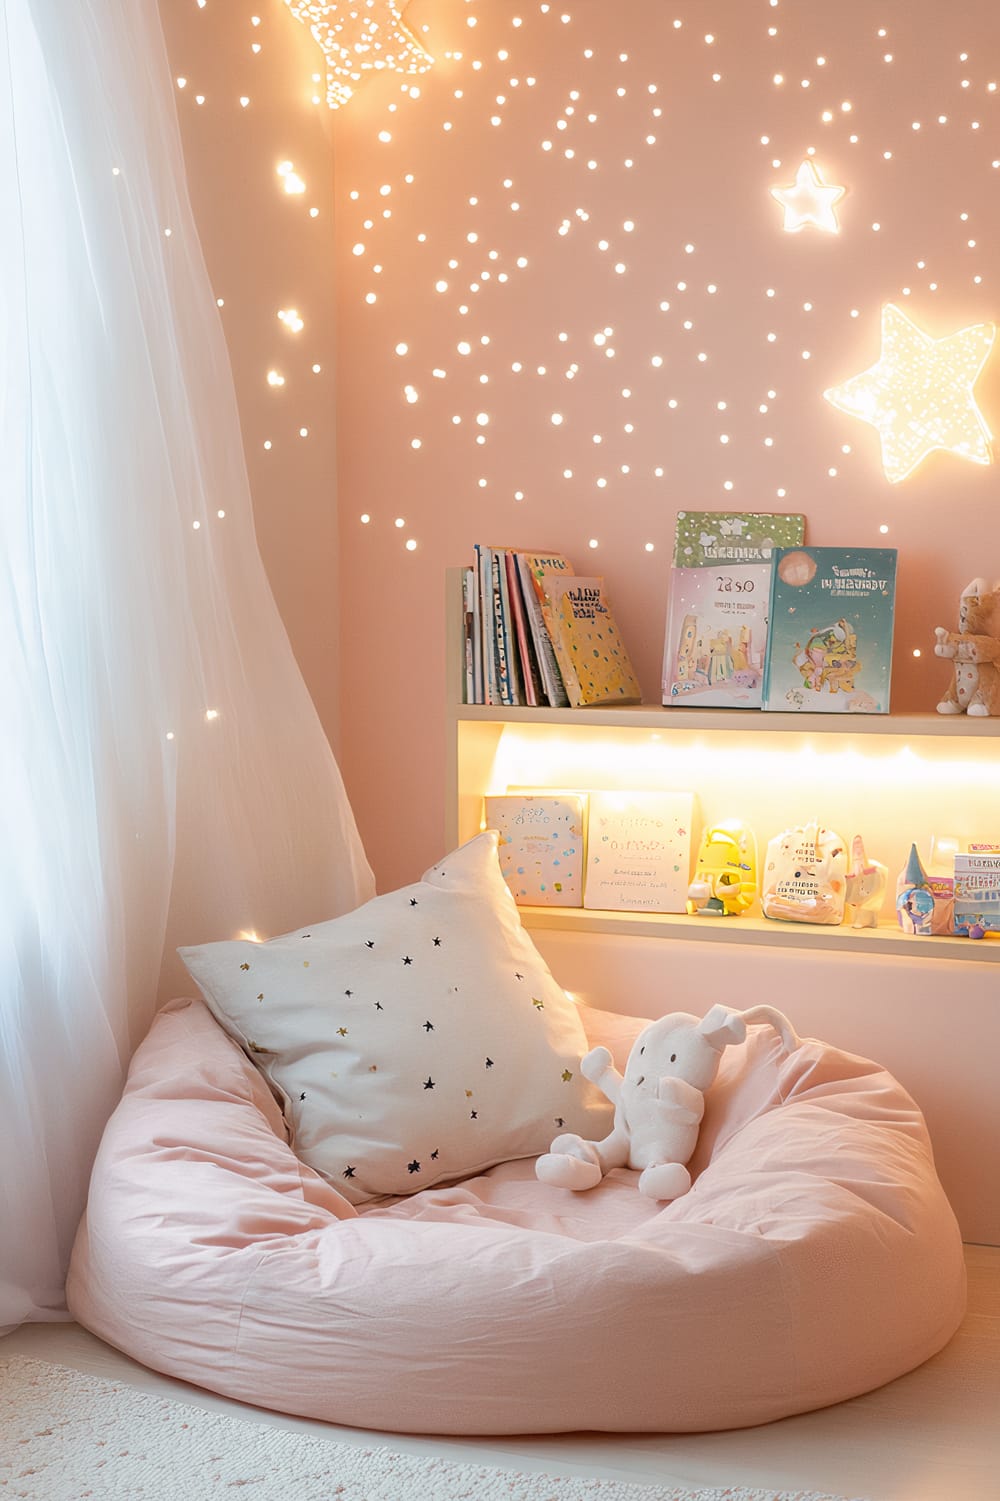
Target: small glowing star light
357,37
809,200
919,395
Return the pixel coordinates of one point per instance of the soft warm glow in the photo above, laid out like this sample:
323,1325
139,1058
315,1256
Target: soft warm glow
920,394
809,200
358,38
292,181
890,789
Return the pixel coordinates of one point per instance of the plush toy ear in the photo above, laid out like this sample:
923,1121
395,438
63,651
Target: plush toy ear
779,1021
721,1027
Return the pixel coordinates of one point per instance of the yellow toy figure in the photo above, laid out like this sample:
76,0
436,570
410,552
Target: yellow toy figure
725,873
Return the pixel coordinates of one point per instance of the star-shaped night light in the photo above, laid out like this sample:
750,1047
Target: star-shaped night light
359,37
809,200
920,394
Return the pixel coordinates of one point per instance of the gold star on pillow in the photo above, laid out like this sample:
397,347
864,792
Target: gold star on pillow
359,37
809,200
919,395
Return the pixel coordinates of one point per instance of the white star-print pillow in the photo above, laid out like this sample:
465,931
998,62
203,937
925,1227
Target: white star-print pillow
418,1039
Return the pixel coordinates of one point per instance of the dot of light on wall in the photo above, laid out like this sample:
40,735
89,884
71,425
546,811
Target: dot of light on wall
291,180
919,394
291,319
368,36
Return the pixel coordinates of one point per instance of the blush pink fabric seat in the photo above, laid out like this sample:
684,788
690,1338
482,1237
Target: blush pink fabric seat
815,1257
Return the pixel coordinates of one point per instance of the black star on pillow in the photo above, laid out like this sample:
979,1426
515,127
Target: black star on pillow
489,1063
413,1167
428,1026
348,1171
428,1082
407,959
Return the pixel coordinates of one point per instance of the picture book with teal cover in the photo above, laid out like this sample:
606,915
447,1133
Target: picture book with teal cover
830,620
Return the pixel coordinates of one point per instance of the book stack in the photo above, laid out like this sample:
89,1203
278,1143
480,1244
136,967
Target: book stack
536,633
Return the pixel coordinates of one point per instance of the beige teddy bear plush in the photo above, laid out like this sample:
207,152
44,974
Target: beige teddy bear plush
974,650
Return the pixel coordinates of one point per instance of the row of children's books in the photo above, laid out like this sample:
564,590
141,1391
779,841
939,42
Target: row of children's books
755,619
537,633
616,851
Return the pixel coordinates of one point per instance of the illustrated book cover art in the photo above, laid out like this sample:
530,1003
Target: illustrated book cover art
977,892
594,663
829,647
716,633
541,845
639,851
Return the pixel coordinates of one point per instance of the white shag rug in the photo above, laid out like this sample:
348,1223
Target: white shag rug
68,1436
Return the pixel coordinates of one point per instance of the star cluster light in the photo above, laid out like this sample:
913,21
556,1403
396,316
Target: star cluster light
920,394
359,37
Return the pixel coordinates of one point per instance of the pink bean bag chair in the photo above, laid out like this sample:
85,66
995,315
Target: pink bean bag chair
815,1257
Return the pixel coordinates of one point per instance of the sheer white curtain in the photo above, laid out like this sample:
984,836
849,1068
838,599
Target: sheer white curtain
163,774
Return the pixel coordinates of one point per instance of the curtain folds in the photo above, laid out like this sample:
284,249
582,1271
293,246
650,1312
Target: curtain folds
164,778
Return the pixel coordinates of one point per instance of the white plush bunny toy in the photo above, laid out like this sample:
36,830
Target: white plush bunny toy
658,1103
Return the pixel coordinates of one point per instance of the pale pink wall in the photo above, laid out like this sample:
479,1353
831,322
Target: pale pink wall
266,252
476,129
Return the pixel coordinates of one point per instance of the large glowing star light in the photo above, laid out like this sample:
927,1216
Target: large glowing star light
920,394
809,200
359,37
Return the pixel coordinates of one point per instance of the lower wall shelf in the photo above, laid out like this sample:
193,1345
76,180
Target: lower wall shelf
887,938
